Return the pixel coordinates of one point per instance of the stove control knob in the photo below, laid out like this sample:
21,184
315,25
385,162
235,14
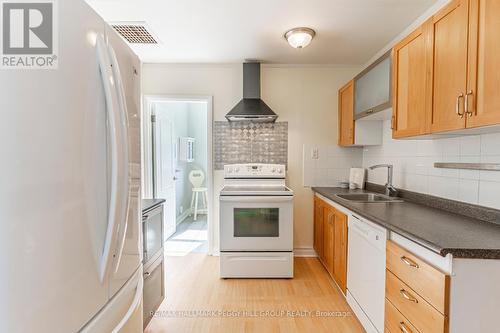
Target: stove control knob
237,170
273,170
280,171
230,170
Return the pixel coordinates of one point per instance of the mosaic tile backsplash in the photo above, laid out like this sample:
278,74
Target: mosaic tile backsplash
247,142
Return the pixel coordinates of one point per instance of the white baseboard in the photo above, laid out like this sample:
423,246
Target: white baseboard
183,216
304,252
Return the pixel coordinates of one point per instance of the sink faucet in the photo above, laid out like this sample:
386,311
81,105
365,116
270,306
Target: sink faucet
390,190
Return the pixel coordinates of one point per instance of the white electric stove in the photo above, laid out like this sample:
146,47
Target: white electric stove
256,222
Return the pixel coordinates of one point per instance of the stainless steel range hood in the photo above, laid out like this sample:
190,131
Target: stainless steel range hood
251,107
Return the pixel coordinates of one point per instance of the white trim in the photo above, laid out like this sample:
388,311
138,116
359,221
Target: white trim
307,252
147,188
183,216
147,166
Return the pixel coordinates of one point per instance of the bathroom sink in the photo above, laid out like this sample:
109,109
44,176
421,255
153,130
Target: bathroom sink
368,197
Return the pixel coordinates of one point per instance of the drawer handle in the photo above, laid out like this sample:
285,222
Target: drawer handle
404,328
406,295
409,262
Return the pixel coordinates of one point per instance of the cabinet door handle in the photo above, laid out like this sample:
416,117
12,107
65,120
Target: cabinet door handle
407,296
404,328
467,111
393,119
409,262
457,105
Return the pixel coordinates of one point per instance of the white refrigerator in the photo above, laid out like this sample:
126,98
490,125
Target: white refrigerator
70,160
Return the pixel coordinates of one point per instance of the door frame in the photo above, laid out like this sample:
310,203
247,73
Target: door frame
146,138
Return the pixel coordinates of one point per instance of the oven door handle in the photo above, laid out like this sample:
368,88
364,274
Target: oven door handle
256,199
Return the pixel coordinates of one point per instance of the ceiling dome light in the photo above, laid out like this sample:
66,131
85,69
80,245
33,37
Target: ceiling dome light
299,37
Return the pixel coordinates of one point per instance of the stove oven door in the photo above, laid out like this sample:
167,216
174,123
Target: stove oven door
256,223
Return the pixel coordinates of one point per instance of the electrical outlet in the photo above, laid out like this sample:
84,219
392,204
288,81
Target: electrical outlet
315,153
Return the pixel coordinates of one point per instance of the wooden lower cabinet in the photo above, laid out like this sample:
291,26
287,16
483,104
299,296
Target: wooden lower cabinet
429,282
340,250
420,313
417,294
395,321
330,240
319,206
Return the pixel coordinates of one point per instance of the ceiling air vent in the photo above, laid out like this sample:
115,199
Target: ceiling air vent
135,32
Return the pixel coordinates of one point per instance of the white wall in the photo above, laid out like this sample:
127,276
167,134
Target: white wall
332,165
305,96
224,82
414,166
197,129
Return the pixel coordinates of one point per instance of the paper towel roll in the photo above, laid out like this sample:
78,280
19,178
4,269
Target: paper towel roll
357,176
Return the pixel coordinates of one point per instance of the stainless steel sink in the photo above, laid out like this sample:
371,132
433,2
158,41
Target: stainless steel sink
368,197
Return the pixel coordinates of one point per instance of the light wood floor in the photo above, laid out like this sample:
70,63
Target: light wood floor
194,286
190,236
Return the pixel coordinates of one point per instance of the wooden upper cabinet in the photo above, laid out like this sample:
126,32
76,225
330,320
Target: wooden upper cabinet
412,85
318,226
484,63
449,70
329,238
340,251
346,115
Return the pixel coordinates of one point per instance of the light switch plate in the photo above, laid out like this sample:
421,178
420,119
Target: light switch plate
314,153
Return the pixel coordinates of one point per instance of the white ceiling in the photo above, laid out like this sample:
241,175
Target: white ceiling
208,31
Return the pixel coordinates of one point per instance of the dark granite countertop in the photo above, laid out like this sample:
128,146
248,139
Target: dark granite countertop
148,204
438,230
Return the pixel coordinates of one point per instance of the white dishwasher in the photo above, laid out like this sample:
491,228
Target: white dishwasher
366,272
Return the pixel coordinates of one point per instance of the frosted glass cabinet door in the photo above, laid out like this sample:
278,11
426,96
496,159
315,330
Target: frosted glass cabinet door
372,88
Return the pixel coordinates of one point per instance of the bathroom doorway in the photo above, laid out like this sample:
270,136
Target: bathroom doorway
178,159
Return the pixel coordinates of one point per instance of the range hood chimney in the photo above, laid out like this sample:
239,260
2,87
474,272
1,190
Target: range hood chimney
251,107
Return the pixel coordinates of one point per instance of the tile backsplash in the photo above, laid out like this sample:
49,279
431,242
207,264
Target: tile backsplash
414,170
247,142
329,165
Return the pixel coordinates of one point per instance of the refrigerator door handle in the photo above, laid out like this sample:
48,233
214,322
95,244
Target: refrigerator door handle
133,307
124,163
112,115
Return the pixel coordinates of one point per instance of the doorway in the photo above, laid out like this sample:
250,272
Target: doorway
178,168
